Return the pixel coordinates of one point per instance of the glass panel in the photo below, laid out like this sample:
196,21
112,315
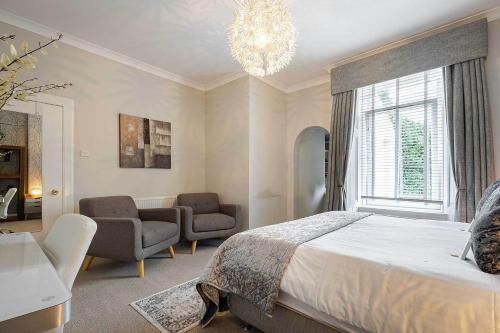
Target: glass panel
20,171
411,152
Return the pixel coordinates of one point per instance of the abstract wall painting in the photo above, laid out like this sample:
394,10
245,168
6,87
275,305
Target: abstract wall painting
145,143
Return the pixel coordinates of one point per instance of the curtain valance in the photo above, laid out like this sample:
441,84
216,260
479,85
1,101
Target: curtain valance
456,45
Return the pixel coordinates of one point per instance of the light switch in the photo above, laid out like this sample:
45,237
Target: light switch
84,153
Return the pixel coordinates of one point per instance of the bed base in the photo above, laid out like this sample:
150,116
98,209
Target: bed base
284,319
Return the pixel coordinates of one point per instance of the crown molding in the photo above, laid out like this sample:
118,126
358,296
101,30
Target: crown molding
309,83
273,83
493,14
79,43
68,39
233,77
490,14
26,24
224,80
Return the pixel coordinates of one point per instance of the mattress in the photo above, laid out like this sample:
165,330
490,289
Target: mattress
388,274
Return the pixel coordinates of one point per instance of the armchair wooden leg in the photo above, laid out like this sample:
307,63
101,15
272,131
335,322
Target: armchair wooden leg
86,263
193,247
171,251
140,268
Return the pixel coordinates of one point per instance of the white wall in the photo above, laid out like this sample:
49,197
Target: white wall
227,143
493,77
268,165
245,140
305,108
101,90
309,172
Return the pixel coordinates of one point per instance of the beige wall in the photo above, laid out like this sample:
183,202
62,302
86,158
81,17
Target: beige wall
101,90
493,77
227,143
246,160
267,154
305,108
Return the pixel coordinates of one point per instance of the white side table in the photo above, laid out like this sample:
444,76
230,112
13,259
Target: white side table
33,297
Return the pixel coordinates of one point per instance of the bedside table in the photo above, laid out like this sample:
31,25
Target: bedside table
32,206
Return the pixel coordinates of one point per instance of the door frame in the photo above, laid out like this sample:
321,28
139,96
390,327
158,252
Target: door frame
68,126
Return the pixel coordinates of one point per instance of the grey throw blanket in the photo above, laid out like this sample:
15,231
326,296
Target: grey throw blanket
251,264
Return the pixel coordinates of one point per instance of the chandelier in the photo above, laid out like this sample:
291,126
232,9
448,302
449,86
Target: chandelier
262,36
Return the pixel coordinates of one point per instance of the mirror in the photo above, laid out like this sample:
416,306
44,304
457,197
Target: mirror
20,171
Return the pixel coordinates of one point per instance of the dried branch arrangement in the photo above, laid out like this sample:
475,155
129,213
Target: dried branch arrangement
12,64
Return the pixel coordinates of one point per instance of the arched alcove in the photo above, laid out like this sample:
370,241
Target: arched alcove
310,166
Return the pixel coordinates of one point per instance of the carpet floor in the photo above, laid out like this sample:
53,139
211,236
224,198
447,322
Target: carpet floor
101,296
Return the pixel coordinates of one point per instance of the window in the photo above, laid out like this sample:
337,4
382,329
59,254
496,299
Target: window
401,143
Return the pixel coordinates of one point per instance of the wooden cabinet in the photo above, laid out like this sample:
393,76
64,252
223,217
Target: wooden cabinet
13,174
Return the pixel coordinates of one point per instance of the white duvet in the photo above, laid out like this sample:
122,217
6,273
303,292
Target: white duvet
387,274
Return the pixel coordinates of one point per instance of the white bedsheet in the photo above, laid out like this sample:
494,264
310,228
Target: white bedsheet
387,274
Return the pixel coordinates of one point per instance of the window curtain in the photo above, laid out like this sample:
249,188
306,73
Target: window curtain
472,155
341,133
463,43
469,134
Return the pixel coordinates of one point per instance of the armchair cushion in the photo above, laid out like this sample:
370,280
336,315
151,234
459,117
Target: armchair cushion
212,222
201,203
117,206
154,232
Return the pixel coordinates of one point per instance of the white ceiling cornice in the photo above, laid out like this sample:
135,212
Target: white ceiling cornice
273,83
234,77
74,41
490,14
309,83
23,23
222,81
48,32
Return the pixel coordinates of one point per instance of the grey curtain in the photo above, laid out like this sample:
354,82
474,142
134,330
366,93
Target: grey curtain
341,131
469,133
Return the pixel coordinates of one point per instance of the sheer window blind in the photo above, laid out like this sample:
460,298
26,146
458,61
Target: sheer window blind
401,143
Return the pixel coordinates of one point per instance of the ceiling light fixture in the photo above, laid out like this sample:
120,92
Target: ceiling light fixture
262,36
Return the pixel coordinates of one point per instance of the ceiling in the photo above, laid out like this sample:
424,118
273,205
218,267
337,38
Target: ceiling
188,37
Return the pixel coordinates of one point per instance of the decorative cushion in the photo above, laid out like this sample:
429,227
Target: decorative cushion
486,231
212,222
485,199
202,203
154,232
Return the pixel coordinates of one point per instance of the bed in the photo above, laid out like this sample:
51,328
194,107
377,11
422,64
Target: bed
381,274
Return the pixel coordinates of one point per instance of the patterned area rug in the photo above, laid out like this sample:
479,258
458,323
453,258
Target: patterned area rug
175,310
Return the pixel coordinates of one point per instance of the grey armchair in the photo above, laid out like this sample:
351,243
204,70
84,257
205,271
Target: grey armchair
203,217
127,233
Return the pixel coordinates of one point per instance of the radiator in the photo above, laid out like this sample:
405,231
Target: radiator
155,202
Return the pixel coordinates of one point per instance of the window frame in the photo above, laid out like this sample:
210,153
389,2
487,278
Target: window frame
363,203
